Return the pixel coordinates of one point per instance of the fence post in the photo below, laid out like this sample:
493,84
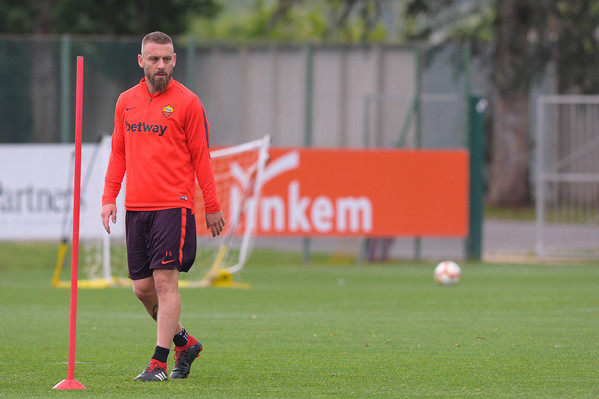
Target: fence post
308,103
417,107
308,99
190,64
65,88
476,146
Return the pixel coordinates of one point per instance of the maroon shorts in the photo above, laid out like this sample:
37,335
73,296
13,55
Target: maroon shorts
164,239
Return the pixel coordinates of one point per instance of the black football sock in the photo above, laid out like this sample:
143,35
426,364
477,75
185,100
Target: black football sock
181,338
161,354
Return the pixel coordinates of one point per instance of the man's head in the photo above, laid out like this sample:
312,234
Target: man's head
157,59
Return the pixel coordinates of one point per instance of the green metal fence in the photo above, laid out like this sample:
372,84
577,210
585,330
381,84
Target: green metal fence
16,60
299,94
37,86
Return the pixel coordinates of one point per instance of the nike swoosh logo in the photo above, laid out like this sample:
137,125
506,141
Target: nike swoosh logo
164,262
130,108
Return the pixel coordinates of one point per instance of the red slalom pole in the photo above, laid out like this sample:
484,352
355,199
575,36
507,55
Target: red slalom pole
70,382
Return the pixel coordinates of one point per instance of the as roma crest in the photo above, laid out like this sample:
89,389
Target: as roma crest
167,110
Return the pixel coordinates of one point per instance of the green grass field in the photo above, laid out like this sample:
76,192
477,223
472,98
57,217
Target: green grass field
528,331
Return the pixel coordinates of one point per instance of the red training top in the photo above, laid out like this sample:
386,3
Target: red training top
162,142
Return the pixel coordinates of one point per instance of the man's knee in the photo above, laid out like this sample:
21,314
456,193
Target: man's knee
166,281
144,289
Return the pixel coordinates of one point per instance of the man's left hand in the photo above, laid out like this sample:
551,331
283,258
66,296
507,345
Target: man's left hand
215,222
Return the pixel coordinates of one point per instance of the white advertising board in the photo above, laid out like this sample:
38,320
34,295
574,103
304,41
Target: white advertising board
36,191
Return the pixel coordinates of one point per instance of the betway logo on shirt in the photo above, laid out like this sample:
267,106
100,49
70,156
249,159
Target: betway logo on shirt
142,127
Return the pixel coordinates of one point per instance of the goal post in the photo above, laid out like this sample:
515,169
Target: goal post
567,176
239,176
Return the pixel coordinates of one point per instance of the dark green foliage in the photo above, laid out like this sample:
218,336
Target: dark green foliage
108,17
527,35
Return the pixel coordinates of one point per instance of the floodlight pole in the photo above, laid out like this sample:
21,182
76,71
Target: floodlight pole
70,382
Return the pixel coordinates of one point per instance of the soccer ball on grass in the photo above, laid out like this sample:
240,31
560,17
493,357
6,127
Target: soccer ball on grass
447,273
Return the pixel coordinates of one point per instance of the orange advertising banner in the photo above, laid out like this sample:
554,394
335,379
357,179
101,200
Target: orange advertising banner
312,192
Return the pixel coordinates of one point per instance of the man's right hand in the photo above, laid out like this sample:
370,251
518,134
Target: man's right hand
108,212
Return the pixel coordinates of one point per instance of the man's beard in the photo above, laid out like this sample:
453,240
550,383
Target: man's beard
159,83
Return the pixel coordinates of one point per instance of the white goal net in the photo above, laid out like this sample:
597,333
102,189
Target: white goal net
238,172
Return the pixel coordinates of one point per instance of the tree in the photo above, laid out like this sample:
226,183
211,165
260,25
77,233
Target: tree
526,36
108,17
576,54
297,20
512,74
